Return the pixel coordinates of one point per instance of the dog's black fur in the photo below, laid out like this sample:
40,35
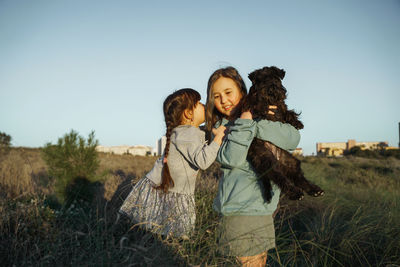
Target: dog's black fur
270,162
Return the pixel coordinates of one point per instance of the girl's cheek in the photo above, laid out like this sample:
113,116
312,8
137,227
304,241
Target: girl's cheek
218,108
239,98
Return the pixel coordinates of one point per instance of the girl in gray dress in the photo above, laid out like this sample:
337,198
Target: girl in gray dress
163,200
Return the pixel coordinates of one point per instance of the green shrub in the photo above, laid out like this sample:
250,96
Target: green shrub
372,153
391,153
71,158
5,141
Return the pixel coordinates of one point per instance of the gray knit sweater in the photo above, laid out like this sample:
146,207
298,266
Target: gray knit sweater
188,152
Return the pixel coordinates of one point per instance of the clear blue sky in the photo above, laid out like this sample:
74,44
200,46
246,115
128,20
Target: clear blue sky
108,65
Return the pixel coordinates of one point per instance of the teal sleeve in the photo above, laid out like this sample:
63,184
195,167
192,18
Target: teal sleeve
233,151
280,134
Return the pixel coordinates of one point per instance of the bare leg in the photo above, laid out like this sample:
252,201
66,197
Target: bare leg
253,261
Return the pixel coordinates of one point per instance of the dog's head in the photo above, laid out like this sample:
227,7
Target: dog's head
266,89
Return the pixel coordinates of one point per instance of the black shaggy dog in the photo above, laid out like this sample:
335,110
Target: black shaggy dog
270,162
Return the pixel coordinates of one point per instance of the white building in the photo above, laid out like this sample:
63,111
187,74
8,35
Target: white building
298,151
120,150
140,150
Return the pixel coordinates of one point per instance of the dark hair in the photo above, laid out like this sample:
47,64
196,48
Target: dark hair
212,114
267,89
174,106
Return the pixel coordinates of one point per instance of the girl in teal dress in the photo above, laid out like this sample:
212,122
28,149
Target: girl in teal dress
247,228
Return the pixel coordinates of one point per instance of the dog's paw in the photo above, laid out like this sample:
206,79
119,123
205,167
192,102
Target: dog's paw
319,193
295,195
315,191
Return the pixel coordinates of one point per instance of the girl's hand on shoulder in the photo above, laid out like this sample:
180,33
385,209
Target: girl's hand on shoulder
246,115
219,134
272,109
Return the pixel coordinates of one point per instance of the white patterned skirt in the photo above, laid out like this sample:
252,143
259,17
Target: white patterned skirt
162,213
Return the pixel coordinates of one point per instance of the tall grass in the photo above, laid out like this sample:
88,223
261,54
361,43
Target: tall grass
354,224
23,173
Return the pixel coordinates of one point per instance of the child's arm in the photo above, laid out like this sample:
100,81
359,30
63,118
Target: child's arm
233,151
196,151
219,134
155,174
280,134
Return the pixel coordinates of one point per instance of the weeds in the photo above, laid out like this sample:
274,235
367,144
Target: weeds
354,224
73,159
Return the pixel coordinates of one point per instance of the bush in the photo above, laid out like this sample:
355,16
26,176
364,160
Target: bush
5,141
373,153
70,159
392,153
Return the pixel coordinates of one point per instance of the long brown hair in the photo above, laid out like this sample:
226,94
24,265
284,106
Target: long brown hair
174,106
212,114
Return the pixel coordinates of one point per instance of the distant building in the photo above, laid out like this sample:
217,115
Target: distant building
140,150
121,150
161,145
298,152
338,148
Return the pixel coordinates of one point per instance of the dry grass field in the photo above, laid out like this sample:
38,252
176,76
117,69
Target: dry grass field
355,224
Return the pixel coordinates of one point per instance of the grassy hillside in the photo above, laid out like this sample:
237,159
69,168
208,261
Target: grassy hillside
354,224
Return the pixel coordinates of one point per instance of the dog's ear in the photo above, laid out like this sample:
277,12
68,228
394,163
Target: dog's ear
252,77
260,75
265,72
278,72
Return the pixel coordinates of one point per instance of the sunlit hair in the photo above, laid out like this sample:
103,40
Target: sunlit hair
174,106
212,114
